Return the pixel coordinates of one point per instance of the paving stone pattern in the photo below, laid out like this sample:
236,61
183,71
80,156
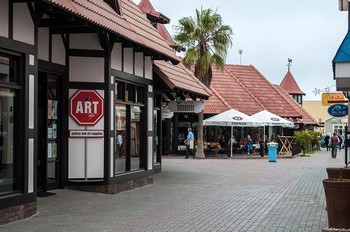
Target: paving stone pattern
199,195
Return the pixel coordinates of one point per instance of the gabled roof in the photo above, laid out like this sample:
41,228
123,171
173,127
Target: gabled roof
132,25
306,118
290,85
263,91
147,7
179,77
244,88
234,93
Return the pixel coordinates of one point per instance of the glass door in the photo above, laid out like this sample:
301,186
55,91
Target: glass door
49,127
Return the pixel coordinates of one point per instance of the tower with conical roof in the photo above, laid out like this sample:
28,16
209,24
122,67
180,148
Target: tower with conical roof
290,85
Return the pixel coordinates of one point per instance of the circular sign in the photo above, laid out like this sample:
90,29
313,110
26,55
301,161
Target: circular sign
237,118
338,110
86,107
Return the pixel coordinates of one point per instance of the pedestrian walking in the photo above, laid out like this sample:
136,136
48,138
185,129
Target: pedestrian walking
189,144
340,141
335,142
250,145
326,141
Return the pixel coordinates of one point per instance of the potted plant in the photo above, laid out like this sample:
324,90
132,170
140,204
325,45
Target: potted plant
339,173
337,192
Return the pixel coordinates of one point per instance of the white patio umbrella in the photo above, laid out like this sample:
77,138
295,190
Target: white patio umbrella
270,119
232,118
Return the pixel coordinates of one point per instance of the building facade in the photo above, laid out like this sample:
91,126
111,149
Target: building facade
78,104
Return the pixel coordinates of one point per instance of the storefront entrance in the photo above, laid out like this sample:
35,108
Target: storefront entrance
49,127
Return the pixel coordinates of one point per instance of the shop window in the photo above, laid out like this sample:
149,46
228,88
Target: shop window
129,155
130,93
9,111
119,91
139,94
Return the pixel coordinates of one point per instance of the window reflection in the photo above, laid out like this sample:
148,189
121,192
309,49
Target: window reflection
7,154
120,143
135,137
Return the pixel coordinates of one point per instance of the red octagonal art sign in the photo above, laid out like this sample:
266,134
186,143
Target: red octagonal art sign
86,107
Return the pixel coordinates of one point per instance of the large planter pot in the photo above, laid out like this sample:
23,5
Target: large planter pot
338,173
338,202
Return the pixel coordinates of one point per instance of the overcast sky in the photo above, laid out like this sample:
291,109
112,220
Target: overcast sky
271,31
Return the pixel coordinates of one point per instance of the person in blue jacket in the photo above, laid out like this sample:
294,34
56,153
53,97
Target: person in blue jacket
250,145
188,141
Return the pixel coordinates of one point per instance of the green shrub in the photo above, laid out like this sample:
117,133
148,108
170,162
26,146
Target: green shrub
307,140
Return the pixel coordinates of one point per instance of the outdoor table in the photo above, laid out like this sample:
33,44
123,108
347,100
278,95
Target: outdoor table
286,145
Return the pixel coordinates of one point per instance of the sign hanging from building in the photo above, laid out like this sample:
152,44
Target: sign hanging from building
338,110
326,97
186,106
86,107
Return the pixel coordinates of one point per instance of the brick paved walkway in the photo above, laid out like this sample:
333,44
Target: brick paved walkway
199,195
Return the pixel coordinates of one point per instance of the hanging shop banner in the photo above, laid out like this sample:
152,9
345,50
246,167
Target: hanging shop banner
86,107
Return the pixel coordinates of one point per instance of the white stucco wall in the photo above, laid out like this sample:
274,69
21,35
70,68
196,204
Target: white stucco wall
58,50
84,41
148,68
23,26
43,43
139,64
4,18
128,60
86,69
81,149
116,57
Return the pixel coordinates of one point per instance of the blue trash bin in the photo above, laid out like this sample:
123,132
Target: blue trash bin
272,151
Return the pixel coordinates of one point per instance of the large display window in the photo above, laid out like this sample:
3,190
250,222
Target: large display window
9,134
129,113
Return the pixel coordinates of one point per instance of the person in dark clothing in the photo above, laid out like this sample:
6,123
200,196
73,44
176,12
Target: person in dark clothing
326,141
335,142
222,143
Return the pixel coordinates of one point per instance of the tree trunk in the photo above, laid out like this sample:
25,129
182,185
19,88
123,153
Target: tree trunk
200,150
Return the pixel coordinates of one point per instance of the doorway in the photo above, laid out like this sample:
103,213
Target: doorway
49,126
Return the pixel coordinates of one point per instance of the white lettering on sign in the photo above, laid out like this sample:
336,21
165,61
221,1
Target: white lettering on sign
86,107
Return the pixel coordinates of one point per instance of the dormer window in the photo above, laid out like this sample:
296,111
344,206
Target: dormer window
116,5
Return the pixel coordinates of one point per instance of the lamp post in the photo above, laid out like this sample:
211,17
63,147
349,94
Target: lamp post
341,70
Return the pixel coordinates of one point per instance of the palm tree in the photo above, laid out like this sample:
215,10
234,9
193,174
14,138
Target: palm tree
207,41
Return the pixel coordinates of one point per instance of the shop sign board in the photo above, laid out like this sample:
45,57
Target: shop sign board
338,110
86,107
331,97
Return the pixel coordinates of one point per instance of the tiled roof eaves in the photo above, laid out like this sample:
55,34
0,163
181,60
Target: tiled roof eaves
103,16
295,114
243,87
177,76
220,98
196,79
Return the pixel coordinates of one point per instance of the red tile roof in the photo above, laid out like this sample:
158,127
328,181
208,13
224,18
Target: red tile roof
290,85
263,90
244,88
147,7
132,25
233,92
306,119
178,76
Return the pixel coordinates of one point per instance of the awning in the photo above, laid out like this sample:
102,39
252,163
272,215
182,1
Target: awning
179,77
